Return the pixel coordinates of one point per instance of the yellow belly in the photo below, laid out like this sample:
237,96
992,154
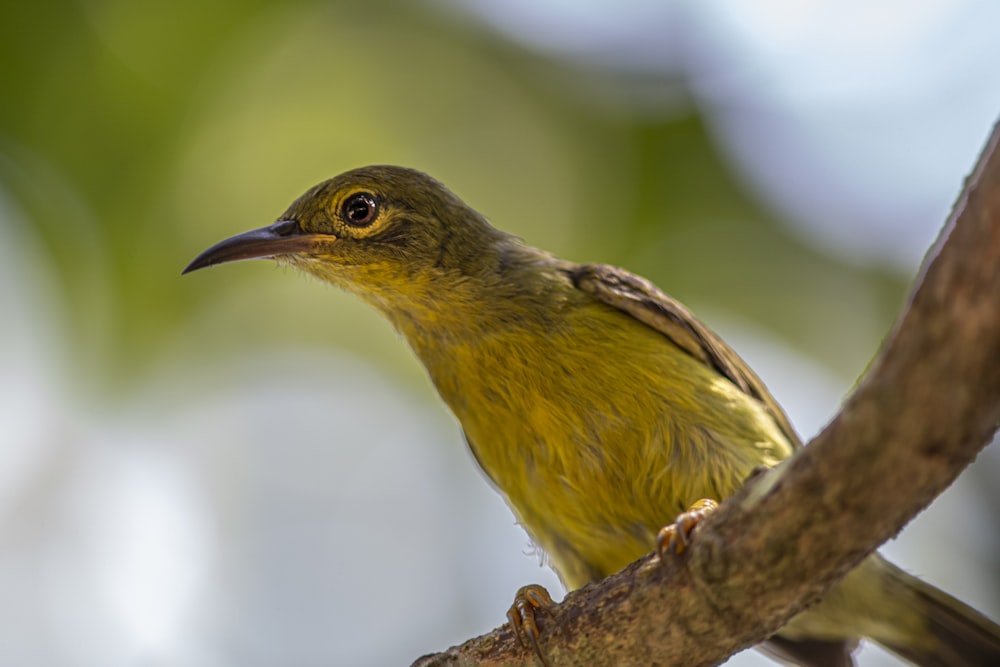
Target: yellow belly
596,441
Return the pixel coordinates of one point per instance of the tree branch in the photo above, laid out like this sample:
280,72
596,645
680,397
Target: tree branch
927,405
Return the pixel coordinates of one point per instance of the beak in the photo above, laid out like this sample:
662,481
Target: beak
284,237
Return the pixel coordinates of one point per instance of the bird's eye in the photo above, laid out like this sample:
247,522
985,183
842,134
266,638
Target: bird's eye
359,210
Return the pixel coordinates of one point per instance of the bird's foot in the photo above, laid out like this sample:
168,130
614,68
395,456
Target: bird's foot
523,616
675,538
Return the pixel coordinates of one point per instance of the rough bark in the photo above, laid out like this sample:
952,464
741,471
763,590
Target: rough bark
925,408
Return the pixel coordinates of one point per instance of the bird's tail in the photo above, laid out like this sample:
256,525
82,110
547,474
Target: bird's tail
956,635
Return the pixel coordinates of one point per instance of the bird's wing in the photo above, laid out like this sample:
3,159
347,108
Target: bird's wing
645,302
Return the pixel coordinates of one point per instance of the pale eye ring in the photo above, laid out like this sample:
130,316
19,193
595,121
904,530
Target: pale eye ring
359,210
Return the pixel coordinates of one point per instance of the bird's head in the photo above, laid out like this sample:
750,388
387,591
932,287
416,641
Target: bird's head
386,233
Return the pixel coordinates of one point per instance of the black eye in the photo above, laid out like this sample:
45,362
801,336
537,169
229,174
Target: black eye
359,210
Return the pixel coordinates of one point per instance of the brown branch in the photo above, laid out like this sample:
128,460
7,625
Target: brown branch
928,404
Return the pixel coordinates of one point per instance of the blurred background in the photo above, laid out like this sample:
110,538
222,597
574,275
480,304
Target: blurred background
246,467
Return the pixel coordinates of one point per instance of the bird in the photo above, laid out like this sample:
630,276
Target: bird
600,407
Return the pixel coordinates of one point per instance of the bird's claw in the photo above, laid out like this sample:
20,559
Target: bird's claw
523,616
675,537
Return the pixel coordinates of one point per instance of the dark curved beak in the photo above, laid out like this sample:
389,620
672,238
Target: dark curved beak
284,237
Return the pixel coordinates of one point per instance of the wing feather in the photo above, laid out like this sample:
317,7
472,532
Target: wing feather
651,306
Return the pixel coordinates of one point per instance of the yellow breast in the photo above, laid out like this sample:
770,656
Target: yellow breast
600,431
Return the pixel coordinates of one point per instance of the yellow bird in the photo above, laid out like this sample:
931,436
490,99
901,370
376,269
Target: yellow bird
598,405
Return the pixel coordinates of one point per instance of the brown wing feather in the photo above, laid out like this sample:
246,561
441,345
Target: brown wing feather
645,302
